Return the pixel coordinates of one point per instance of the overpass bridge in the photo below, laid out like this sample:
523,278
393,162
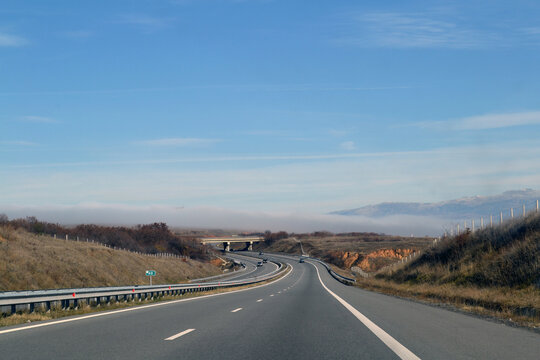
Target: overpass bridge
226,241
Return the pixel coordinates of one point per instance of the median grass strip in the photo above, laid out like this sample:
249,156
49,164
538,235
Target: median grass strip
56,313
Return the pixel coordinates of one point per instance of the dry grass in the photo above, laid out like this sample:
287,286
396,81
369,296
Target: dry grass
30,261
521,306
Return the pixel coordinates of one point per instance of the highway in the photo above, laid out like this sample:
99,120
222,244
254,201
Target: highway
305,315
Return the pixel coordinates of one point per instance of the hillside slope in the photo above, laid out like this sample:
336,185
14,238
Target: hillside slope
495,271
507,255
29,261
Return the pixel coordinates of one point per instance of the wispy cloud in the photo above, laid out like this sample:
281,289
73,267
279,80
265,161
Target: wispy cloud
413,30
12,40
218,159
485,122
38,119
179,142
348,145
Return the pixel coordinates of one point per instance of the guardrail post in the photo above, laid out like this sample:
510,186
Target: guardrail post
47,306
13,309
31,307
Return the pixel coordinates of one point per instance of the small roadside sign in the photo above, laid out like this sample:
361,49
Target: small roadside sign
150,273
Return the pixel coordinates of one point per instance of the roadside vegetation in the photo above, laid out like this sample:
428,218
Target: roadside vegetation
495,271
149,238
29,262
368,251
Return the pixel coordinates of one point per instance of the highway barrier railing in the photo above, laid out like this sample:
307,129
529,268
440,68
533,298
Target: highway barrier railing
13,301
343,279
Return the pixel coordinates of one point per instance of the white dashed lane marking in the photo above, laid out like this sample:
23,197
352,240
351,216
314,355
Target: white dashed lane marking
180,334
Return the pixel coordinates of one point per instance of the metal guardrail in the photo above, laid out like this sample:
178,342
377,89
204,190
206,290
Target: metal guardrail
343,279
14,300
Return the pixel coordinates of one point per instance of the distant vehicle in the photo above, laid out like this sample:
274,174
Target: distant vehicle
260,263
260,252
301,260
265,261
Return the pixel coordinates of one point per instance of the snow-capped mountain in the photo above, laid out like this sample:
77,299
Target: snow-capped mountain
463,208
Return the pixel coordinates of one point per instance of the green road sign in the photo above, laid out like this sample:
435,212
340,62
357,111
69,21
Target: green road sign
150,273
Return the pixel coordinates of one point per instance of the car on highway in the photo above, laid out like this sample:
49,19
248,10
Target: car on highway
265,261
260,263
301,260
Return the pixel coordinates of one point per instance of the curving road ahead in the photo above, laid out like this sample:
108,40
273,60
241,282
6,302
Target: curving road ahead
305,315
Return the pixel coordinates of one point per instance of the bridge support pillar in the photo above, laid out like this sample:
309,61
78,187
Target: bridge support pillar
249,245
227,246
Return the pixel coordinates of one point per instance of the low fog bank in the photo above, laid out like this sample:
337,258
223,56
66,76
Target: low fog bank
217,218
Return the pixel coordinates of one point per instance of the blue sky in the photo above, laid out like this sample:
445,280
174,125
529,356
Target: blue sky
278,106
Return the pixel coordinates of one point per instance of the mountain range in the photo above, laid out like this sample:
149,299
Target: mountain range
472,207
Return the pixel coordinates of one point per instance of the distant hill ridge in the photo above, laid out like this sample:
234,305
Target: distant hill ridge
463,208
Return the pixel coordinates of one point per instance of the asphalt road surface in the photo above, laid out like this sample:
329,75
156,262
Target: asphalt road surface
305,315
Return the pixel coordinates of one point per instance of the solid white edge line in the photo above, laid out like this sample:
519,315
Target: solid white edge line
389,341
141,307
236,310
180,334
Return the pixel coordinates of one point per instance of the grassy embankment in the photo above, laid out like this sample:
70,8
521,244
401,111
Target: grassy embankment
29,261
495,272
